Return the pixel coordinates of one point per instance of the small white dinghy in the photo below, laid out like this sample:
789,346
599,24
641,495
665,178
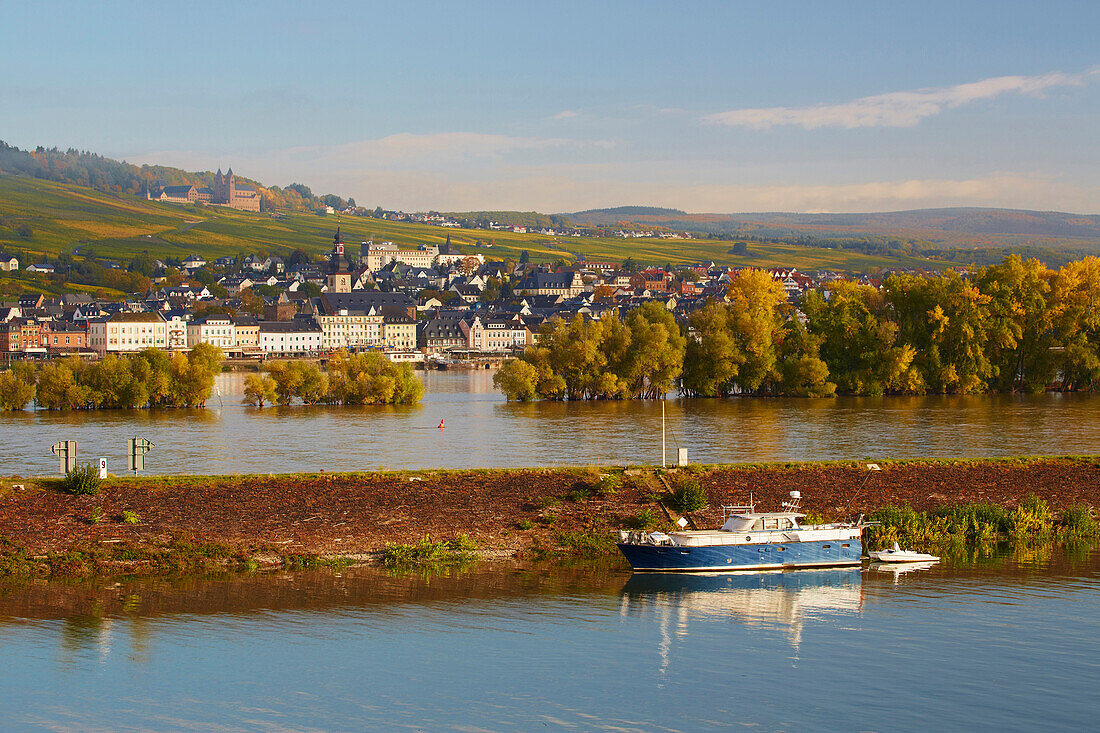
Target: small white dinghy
899,555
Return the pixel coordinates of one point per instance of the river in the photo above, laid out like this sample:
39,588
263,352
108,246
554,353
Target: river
483,430
1002,642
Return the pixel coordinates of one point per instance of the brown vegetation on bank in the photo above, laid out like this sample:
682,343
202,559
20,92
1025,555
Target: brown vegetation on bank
505,512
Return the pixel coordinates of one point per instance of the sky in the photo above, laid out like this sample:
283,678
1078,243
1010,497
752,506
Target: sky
558,107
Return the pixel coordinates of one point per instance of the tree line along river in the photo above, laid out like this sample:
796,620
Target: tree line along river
483,430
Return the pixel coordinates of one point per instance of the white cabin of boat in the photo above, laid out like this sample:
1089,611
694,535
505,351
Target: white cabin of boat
763,528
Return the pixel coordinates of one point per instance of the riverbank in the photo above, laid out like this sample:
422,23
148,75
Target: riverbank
184,524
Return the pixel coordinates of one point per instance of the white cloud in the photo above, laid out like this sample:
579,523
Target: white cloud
565,114
897,109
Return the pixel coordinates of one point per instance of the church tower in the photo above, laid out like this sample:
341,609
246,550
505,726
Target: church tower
339,278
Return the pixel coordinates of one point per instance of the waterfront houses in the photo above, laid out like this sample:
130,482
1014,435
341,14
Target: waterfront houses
297,336
124,332
217,331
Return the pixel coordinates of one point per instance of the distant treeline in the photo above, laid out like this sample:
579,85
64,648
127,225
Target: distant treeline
530,219
347,379
1016,326
149,378
82,168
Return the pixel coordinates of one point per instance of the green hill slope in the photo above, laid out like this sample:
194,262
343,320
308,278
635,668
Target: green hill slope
62,217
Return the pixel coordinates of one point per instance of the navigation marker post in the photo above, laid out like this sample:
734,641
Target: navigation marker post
138,448
65,450
663,464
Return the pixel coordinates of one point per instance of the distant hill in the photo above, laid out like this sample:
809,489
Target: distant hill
513,218
618,212
943,227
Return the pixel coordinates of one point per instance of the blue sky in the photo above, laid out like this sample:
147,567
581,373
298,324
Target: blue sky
724,106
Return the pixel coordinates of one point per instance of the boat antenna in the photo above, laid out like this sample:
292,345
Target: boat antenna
870,467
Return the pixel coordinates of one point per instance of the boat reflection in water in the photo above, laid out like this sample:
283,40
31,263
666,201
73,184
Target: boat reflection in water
898,569
785,599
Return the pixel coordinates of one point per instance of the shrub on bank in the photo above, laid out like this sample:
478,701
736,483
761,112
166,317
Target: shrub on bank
82,480
644,519
1077,520
688,496
969,523
427,553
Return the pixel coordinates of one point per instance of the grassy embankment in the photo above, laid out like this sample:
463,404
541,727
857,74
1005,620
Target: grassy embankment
63,217
205,523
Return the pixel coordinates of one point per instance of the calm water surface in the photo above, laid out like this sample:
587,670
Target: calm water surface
1004,643
483,430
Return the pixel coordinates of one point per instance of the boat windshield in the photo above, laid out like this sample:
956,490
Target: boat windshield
757,524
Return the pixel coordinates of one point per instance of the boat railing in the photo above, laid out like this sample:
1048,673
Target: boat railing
729,510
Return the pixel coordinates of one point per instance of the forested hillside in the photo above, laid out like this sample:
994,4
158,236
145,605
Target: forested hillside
82,168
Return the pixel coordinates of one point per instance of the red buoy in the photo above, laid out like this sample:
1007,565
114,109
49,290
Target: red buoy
441,423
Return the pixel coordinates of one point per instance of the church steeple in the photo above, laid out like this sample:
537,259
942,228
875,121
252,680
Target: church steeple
338,245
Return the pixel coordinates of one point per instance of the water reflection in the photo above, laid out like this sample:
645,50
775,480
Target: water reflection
787,599
484,430
1009,639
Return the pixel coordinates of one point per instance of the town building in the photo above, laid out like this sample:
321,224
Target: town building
124,332
376,256
214,330
399,331
494,333
8,263
567,284
247,332
299,336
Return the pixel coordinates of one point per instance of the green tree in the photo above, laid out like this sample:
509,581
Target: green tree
518,380
1077,323
758,305
1021,333
259,390
58,388
17,386
712,358
656,353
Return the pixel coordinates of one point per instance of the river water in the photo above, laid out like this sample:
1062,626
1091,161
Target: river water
483,430
1004,642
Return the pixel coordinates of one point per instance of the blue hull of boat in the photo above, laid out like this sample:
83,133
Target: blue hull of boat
665,558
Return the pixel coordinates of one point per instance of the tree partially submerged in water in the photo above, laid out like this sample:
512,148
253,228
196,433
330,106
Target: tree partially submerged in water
1013,327
349,379
612,358
149,378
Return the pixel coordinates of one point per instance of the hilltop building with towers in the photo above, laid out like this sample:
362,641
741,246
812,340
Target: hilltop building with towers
226,192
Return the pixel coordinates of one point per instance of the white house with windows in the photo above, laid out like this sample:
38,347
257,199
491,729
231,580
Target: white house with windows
302,335
124,332
214,330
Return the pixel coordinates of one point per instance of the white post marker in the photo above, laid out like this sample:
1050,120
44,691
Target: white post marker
663,464
103,468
